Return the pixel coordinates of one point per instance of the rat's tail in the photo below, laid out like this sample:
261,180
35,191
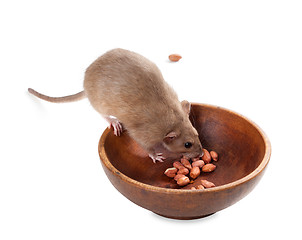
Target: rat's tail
70,98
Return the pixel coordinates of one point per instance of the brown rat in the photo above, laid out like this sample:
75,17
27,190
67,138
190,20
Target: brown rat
129,91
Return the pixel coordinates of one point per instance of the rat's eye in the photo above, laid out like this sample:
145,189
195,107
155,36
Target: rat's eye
188,145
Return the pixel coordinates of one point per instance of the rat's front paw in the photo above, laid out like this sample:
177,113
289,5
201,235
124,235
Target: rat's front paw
157,157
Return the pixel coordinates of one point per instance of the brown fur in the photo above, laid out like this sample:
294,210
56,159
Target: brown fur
131,88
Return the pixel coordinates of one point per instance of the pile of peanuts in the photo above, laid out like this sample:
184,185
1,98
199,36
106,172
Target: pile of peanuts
193,168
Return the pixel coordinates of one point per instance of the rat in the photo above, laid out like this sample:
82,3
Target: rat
129,91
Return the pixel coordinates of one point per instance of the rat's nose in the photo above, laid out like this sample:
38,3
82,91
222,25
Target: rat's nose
201,152
197,154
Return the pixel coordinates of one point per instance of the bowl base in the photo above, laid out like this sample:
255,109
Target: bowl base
185,218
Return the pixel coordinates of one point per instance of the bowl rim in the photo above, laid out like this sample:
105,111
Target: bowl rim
253,174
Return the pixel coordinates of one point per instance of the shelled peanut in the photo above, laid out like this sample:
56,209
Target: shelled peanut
174,57
193,168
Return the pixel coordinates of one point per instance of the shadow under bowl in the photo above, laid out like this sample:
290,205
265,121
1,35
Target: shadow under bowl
243,148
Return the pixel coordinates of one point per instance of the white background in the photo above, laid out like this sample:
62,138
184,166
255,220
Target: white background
242,55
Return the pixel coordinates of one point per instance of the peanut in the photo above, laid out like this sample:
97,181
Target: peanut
192,168
178,165
198,163
186,163
178,175
195,159
206,156
208,167
214,156
185,157
183,171
207,184
175,57
195,172
183,181
171,172
200,187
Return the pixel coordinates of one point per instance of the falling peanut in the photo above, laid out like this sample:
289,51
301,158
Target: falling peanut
175,57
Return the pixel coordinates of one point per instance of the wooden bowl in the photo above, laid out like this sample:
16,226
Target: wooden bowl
243,148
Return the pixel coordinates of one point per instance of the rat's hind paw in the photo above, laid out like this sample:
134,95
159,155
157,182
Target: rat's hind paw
157,157
115,123
117,128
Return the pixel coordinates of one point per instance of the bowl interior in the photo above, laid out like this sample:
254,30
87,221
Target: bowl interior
238,142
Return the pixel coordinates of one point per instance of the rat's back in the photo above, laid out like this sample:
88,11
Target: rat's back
128,86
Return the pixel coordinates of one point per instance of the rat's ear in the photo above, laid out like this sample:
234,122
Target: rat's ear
170,137
186,106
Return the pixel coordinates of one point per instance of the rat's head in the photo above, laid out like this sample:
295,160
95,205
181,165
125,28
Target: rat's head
183,138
